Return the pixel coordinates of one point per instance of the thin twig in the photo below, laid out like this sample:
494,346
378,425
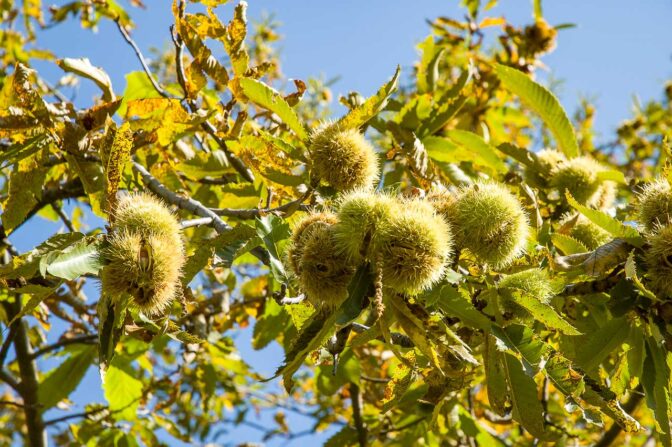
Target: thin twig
374,379
355,396
191,106
196,222
5,346
141,58
84,414
64,217
83,339
282,210
9,380
10,403
293,300
191,205
37,434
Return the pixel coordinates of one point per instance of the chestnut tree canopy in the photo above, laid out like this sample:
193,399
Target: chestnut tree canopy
450,261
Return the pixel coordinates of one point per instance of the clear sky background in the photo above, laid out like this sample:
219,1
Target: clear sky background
619,49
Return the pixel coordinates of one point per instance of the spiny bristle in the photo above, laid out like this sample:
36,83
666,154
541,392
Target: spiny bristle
324,274
144,256
443,202
415,247
533,282
362,217
579,177
491,223
144,213
659,261
151,282
301,232
547,161
343,158
654,205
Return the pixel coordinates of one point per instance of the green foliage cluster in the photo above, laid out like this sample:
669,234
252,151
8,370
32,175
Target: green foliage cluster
451,262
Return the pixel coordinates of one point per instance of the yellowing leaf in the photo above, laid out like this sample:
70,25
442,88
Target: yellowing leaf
268,98
122,389
115,157
83,67
362,114
25,190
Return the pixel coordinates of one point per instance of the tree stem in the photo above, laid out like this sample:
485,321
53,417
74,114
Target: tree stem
356,397
37,434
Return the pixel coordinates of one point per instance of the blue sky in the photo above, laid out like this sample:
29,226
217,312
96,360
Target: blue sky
618,49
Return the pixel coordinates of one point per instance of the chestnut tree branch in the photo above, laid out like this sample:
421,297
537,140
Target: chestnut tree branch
191,205
37,435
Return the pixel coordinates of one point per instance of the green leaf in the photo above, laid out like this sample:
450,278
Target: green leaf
138,86
445,107
360,115
543,312
454,303
80,258
567,244
232,244
593,348
415,331
270,325
401,380
657,382
37,295
272,229
345,437
613,176
631,274
473,428
17,152
24,191
348,370
63,380
123,389
493,360
569,380
615,227
111,316
358,289
427,72
311,336
268,98
476,145
526,407
82,67
543,103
